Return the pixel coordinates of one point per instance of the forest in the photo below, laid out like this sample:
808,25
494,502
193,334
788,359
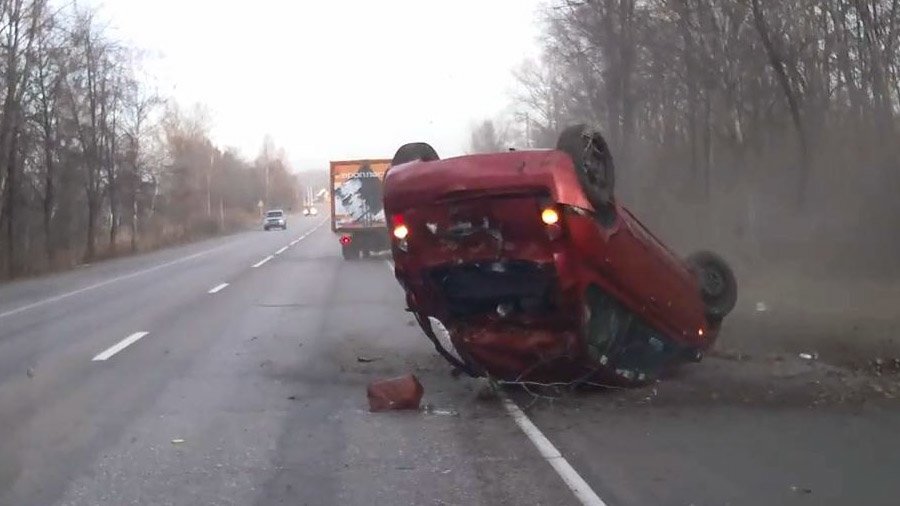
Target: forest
764,128
95,162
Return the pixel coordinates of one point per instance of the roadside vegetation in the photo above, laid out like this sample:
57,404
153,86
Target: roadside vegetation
94,162
765,129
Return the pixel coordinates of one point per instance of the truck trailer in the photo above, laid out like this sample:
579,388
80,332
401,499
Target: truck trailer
357,212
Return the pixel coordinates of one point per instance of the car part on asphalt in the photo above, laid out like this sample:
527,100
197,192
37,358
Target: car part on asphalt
404,392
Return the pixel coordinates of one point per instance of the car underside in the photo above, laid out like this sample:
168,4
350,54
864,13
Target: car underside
535,278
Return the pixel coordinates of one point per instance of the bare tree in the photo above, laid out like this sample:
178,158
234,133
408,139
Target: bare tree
485,138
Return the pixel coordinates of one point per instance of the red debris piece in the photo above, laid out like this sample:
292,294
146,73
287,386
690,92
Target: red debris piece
404,392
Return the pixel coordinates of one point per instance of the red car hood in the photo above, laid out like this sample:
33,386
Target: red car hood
416,183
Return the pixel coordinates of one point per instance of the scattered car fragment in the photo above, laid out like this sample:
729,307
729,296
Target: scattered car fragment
404,392
538,273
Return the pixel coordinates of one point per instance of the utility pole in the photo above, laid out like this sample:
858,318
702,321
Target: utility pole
267,184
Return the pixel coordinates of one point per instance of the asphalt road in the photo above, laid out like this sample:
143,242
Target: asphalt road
128,382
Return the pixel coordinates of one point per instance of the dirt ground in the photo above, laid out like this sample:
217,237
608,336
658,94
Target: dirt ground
794,341
846,322
791,342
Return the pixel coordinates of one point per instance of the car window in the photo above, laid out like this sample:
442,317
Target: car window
274,214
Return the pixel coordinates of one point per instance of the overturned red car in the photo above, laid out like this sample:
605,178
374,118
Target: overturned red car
522,266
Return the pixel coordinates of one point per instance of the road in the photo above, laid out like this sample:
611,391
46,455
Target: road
228,372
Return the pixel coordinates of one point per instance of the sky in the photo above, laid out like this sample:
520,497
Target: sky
331,80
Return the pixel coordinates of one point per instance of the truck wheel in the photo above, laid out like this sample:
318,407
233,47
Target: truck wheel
718,286
593,163
415,151
349,252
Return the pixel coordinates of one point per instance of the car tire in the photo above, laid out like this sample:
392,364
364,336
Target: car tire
718,286
593,163
414,151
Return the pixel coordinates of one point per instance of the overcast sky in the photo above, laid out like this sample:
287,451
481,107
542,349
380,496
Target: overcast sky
334,79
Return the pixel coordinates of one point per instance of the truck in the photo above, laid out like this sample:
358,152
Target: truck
357,212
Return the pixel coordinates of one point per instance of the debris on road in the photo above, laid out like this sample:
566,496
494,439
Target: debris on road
366,360
881,365
486,390
431,410
800,490
404,392
29,372
732,355
809,356
177,441
761,307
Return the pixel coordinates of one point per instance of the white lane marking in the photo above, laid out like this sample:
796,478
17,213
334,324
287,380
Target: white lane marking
218,288
304,236
108,282
121,345
390,265
282,250
569,475
264,260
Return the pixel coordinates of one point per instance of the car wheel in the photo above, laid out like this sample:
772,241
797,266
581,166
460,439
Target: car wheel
415,151
593,163
718,286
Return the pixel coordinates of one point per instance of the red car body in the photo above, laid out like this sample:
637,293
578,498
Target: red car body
512,288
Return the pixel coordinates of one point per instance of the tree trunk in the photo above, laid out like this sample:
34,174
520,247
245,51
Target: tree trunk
10,215
707,145
777,63
134,222
49,197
